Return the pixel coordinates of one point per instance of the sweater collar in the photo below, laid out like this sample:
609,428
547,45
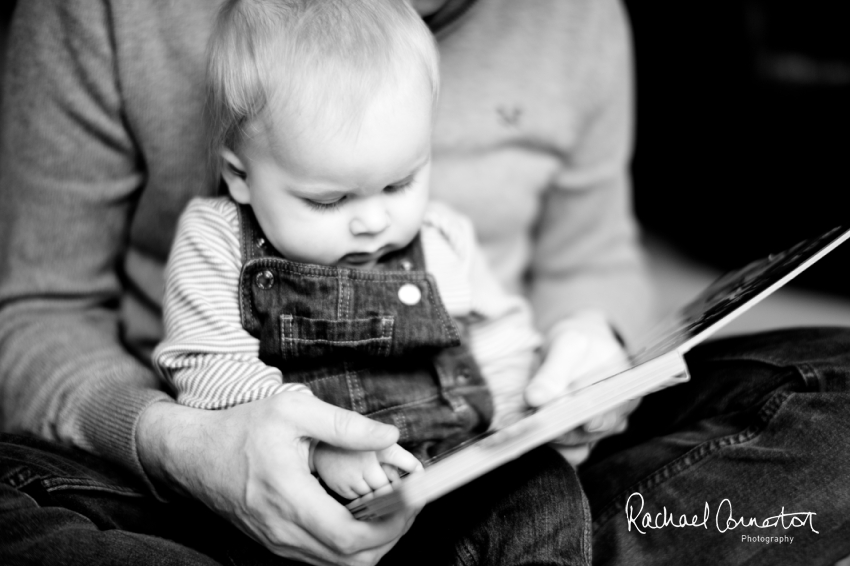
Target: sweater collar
448,14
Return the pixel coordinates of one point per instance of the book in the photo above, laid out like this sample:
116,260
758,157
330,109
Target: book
656,363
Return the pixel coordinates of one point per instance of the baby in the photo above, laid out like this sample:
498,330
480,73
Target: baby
327,270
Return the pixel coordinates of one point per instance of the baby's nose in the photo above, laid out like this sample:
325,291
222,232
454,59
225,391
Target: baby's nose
370,220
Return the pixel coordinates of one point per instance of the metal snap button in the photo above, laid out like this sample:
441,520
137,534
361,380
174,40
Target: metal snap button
409,294
261,242
264,279
407,265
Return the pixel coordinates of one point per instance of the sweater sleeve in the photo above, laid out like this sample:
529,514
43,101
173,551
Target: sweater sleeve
209,359
69,173
587,254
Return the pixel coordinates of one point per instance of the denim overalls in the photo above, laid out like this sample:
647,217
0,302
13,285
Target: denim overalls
377,341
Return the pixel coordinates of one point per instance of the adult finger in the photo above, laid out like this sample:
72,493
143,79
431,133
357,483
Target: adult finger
575,455
340,427
611,422
335,529
614,420
602,423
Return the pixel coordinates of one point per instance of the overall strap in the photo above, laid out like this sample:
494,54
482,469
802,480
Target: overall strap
253,242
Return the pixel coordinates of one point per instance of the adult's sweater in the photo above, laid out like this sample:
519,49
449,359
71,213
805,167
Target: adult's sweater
102,146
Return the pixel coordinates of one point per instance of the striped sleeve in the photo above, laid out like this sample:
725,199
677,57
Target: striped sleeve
207,357
502,336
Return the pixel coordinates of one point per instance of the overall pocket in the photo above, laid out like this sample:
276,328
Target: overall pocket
305,338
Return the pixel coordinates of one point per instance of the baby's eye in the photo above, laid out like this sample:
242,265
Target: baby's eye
398,187
324,206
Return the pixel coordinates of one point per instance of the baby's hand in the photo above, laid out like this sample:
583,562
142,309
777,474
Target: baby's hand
352,473
581,350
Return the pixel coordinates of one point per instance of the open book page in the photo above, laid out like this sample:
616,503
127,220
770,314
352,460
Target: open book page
657,363
734,293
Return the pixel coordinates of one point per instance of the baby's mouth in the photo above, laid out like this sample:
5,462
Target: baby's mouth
363,260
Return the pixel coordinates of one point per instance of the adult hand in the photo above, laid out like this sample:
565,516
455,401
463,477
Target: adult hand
250,464
580,351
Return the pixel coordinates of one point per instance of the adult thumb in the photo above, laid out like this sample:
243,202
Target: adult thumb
343,428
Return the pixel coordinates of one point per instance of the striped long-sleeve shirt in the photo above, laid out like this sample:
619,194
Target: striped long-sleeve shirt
212,362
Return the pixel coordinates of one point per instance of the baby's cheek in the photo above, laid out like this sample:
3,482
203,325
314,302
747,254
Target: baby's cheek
310,242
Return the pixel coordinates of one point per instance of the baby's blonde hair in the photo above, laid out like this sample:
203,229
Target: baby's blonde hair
279,59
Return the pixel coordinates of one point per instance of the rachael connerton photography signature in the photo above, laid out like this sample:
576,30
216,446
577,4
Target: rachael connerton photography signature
724,518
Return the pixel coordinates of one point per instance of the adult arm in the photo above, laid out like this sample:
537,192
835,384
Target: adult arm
69,177
587,254
68,180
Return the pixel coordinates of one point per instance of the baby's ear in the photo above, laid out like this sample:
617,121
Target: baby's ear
235,177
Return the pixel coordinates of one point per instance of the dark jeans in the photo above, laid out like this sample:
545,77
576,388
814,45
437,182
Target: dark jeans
764,424
60,506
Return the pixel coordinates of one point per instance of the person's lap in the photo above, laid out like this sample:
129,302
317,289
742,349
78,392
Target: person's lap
63,506
60,505
762,424
530,511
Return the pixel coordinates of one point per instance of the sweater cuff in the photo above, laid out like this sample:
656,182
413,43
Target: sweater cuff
109,415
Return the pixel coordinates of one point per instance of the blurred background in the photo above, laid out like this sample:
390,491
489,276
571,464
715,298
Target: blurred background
742,148
5,13
743,145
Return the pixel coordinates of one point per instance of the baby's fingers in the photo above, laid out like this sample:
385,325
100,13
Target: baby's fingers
360,487
397,456
391,472
375,476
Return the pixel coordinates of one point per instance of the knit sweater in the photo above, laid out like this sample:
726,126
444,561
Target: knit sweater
102,146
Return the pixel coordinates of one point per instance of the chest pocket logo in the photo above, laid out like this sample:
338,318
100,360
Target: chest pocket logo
302,337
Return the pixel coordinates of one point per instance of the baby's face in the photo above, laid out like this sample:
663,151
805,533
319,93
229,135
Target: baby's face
341,196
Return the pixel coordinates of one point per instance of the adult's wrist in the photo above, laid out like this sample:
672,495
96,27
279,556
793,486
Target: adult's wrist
161,427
